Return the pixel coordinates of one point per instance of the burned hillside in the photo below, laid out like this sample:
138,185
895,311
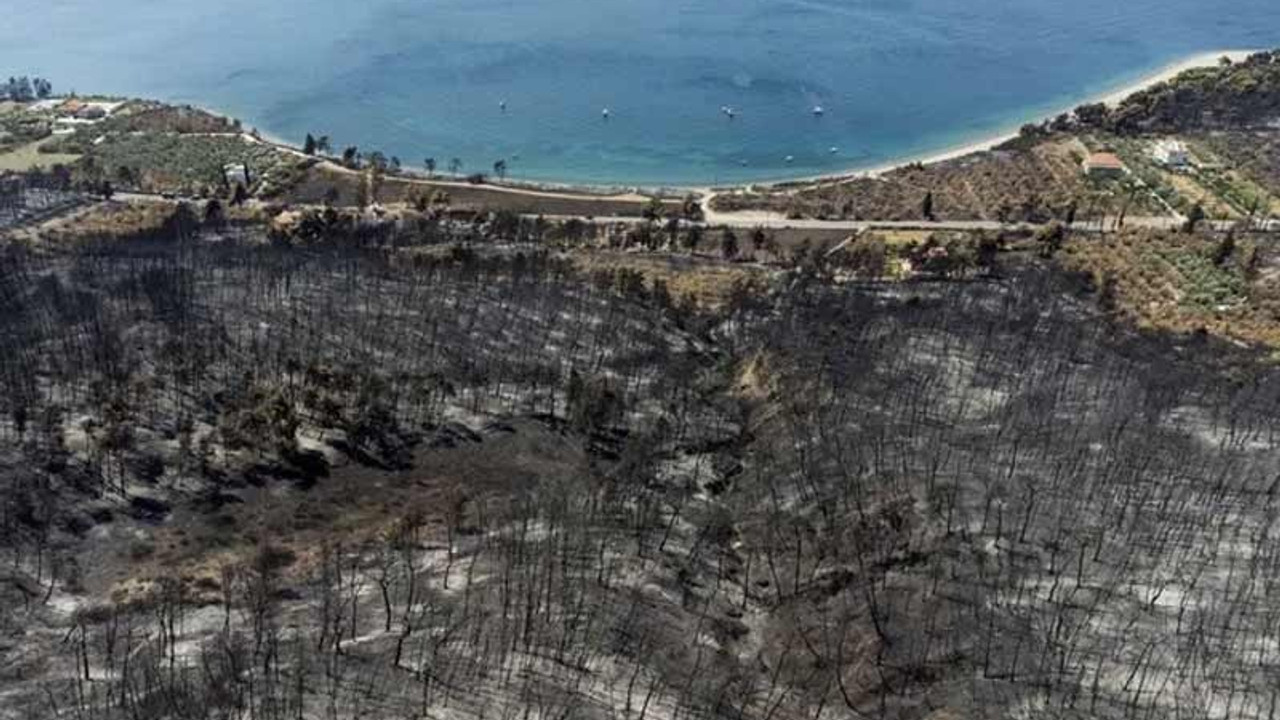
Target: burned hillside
260,482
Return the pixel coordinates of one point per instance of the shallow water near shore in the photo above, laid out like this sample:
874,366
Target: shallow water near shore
425,78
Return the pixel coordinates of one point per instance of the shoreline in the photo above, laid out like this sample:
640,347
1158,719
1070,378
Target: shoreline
991,142
986,143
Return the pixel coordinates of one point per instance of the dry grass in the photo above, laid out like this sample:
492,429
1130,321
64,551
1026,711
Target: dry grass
1255,155
118,219
29,156
1193,191
708,282
1035,184
1171,282
107,219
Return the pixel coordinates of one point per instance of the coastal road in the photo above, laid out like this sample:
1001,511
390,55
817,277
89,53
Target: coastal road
770,221
752,220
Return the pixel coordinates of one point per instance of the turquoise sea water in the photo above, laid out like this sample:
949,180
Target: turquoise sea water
419,78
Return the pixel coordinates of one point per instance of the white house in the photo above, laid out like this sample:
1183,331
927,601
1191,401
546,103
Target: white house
1171,153
236,174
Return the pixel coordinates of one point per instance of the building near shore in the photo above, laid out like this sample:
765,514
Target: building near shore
91,112
71,106
1171,153
85,110
1104,165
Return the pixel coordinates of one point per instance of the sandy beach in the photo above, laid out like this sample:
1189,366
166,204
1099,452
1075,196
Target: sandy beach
1110,97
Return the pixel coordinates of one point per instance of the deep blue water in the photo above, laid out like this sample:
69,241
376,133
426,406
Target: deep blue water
419,78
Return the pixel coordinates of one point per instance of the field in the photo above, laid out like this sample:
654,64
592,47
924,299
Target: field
150,118
709,284
1190,192
28,156
1013,185
188,165
1255,156
1186,284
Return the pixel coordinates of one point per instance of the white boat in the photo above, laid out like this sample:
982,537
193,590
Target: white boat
605,113
818,111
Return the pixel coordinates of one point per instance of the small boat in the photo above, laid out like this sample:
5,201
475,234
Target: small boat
605,113
818,111
791,158
834,150
502,105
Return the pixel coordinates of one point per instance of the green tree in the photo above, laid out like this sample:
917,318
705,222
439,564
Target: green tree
988,253
1226,248
869,256
363,195
214,216
926,206
377,178
455,166
309,145
1194,218
1109,294
1092,114
20,90
182,223
654,209
691,209
430,165
729,244
1050,239
693,238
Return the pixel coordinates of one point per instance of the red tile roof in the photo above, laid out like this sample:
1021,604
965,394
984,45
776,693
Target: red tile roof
1104,161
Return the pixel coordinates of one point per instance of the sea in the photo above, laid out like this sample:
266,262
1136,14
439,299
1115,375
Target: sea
697,91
